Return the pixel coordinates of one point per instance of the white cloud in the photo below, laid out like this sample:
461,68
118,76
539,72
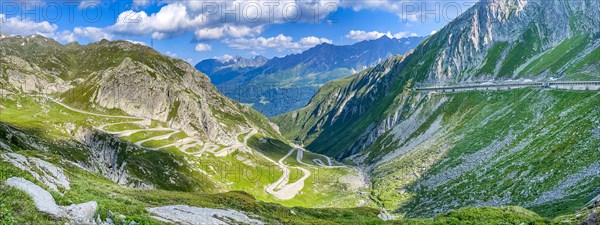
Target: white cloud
226,31
141,2
218,20
90,34
137,42
16,26
414,10
433,32
171,20
361,35
279,43
23,27
88,4
200,47
405,34
65,37
171,54
225,57
313,41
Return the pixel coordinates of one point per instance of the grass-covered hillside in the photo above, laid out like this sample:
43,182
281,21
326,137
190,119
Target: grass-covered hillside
534,148
429,154
125,205
143,120
143,153
493,40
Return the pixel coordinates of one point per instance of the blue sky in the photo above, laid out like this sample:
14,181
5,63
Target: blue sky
195,30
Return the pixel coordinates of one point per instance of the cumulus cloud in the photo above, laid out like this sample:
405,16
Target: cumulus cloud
137,42
313,41
141,2
88,4
218,20
23,27
361,35
171,54
90,34
234,19
17,26
200,47
226,31
279,43
171,20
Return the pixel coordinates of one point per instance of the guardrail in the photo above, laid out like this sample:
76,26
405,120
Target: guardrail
569,85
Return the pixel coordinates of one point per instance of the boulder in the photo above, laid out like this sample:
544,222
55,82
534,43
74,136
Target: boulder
45,172
44,202
183,214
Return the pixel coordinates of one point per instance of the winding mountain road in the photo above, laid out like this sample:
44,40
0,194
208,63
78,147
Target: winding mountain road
280,189
85,112
288,191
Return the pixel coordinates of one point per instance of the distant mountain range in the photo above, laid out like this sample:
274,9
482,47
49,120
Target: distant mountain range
284,84
224,69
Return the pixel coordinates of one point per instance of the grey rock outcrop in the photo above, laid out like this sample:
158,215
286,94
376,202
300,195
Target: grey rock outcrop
50,175
105,155
188,215
44,202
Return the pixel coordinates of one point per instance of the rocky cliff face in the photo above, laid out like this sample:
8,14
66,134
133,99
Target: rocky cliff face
496,40
510,35
426,157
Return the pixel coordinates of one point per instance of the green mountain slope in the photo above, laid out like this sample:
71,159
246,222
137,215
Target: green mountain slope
62,106
459,52
537,149
144,120
375,118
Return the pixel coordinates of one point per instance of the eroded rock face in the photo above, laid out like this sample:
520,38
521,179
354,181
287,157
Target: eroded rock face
44,202
29,78
593,216
471,35
104,158
184,101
